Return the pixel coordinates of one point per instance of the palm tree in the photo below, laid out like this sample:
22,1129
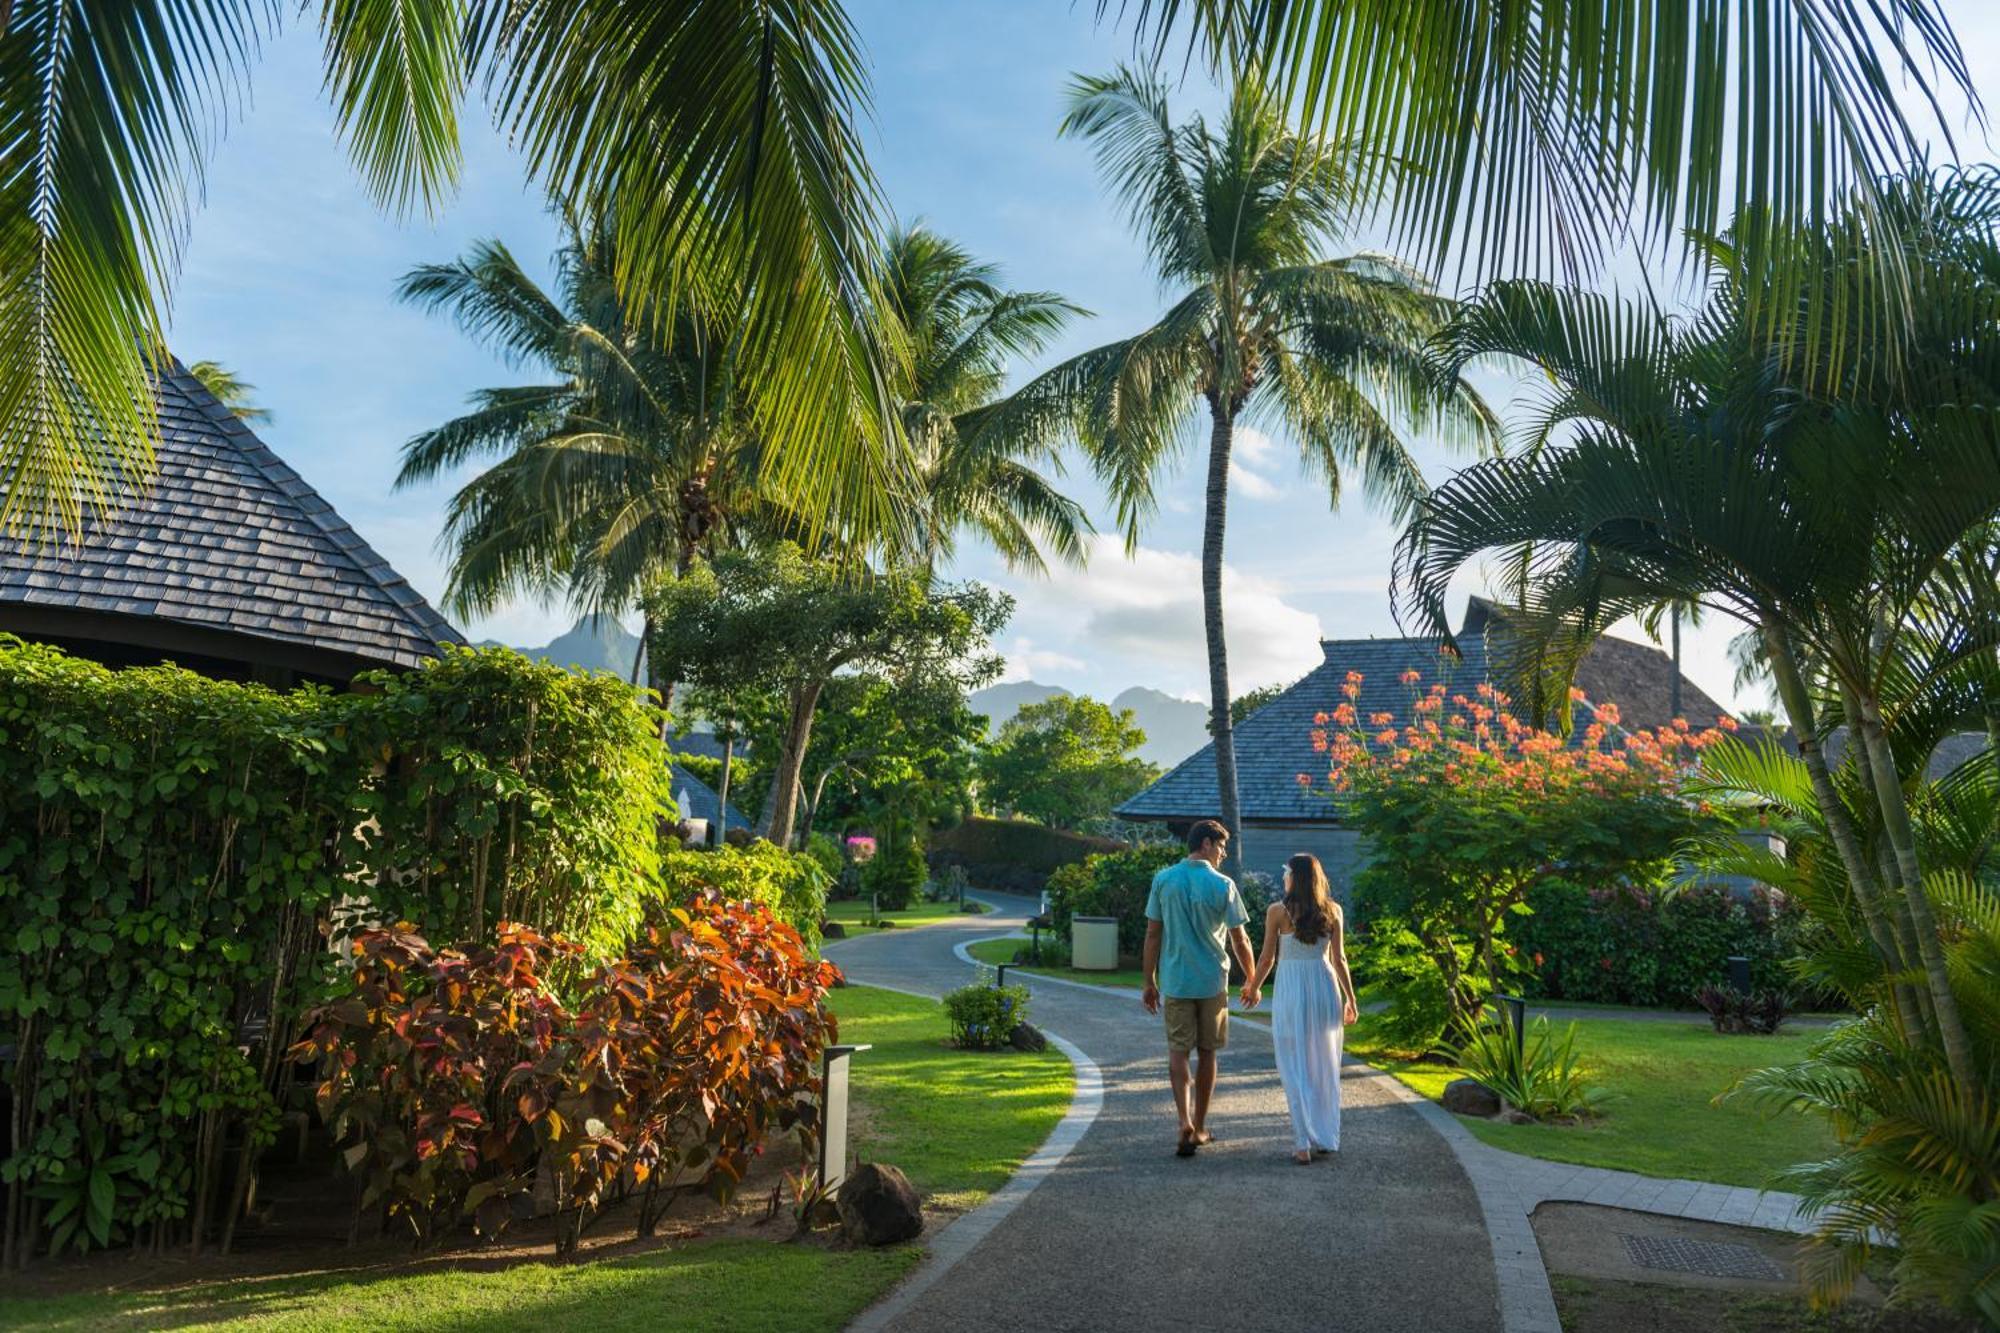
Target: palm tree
1332,350
1841,510
718,137
958,328
1527,136
632,458
231,390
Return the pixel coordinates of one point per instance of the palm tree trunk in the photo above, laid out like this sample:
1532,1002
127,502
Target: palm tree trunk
722,790
1903,839
1674,687
1798,708
776,824
1221,436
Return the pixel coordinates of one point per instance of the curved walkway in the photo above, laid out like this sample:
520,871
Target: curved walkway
1121,1234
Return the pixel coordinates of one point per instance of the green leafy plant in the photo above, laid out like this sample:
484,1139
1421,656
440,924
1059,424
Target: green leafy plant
458,1083
983,1016
1110,884
1542,1075
1731,1010
793,885
896,872
175,852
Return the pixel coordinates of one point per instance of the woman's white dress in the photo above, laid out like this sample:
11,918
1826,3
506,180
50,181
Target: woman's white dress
1305,1021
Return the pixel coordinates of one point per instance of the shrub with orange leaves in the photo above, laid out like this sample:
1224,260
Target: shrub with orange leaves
460,1086
1466,808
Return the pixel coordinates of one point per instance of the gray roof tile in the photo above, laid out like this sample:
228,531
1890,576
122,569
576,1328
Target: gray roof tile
1274,744
228,535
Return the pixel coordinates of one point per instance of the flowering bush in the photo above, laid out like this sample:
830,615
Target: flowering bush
460,1085
1467,809
983,1017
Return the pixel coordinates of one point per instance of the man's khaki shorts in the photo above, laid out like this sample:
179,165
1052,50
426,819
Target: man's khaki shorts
1197,1025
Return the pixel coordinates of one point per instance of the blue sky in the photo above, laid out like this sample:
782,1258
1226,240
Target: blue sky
289,271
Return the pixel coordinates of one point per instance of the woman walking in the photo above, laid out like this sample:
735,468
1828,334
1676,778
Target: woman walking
1303,939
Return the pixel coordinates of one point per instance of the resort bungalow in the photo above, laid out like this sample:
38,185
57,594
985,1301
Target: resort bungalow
1274,744
229,564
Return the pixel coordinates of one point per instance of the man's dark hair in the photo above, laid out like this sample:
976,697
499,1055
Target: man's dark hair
1206,831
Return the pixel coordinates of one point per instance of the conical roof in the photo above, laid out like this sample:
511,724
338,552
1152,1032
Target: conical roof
229,554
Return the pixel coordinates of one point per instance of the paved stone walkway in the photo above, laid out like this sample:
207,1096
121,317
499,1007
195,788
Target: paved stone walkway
1123,1235
1391,1234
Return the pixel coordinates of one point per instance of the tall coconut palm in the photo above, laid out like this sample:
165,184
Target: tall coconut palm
722,133
1539,135
633,458
958,328
718,135
1841,510
1237,218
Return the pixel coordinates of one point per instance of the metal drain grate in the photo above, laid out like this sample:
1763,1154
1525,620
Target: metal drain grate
1677,1254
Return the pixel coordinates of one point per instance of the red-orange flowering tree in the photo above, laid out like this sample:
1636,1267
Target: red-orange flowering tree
1466,808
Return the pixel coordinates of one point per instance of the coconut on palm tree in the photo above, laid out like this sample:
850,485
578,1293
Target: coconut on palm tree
1265,327
959,328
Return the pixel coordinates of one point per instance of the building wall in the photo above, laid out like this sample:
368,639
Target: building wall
1268,846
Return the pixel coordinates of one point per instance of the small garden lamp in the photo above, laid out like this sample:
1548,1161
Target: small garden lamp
833,1116
1517,1010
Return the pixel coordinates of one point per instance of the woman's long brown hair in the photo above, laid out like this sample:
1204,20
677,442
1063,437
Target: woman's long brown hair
1307,901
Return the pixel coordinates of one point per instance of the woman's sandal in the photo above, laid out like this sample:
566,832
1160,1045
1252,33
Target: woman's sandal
1302,1159
1186,1146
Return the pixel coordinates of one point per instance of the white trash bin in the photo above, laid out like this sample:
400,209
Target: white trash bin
1093,943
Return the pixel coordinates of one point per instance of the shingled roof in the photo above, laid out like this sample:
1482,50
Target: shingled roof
1274,744
229,554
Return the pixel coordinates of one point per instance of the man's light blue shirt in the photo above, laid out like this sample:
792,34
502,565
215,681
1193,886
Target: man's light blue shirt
1197,906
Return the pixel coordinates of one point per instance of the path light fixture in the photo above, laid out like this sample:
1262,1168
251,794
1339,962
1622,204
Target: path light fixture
833,1116
1739,973
1000,978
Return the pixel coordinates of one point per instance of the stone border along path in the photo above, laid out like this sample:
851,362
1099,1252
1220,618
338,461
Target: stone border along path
1512,1185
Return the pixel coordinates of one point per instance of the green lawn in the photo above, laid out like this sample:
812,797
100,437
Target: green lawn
958,1123
1002,951
852,914
1662,1120
716,1285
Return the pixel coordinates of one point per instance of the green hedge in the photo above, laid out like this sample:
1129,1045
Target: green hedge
1110,884
1640,946
1012,855
176,854
792,884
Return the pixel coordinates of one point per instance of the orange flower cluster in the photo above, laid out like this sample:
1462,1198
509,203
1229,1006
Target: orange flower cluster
1476,740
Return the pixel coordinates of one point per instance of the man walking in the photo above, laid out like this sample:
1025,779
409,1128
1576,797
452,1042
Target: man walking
1192,914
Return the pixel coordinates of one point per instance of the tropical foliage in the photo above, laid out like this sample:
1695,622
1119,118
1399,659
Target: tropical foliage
780,620
958,329
983,1016
1530,137
1235,218
231,390
1109,884
717,138
1467,810
636,455
792,886
175,851
1065,761
458,1081
1537,1071
1835,494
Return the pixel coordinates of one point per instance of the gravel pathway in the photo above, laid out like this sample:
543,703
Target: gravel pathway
1121,1234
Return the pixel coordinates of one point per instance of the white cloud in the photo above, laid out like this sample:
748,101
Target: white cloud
1144,613
1027,662
1253,449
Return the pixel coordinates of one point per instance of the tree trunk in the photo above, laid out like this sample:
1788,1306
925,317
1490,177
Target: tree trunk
1797,704
1909,868
1214,524
1674,688
722,792
776,824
